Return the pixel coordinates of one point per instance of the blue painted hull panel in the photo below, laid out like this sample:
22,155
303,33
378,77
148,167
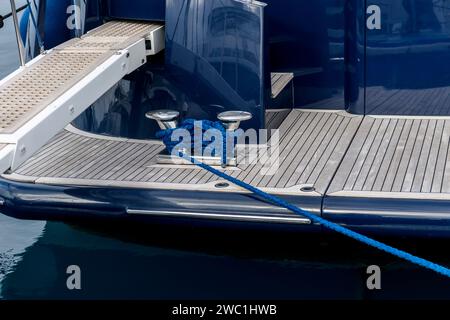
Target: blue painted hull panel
40,202
405,217
137,9
382,216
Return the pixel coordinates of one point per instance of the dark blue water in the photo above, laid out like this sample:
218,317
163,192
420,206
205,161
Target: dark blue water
160,262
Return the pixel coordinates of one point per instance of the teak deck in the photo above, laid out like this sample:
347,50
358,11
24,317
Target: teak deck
327,152
312,145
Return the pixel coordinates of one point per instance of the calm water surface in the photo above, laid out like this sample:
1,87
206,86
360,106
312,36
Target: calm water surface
164,263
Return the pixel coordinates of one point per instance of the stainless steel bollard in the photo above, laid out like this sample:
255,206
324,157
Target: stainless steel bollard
166,119
231,120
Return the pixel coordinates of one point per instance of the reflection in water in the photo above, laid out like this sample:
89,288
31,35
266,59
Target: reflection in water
8,49
15,237
129,261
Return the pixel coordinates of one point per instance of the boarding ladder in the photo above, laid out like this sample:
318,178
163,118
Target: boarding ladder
43,96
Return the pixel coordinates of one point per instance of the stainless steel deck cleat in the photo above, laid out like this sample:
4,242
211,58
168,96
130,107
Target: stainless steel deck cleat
166,119
231,120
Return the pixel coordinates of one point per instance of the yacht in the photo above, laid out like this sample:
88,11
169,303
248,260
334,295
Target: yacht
345,104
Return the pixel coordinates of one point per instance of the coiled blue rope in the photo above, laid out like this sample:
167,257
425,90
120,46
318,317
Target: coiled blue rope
203,126
188,125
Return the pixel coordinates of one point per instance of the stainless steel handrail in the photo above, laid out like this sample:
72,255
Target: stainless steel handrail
18,35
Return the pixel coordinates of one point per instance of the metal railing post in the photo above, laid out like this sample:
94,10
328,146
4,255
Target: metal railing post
18,35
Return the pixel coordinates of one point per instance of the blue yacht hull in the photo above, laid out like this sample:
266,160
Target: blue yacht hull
37,202
29,201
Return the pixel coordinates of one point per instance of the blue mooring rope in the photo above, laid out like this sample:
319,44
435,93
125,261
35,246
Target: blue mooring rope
191,125
188,125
